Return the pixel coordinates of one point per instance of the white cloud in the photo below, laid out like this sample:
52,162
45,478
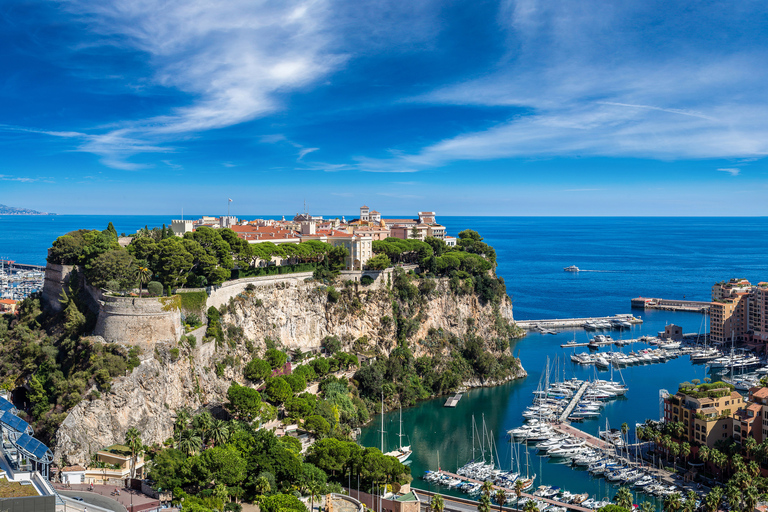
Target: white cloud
731,170
234,59
581,80
305,151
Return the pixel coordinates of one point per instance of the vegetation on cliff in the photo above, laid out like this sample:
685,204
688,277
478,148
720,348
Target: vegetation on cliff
45,363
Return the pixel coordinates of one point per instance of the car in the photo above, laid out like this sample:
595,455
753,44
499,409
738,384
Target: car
77,498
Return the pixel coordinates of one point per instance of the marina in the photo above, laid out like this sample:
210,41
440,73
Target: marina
18,281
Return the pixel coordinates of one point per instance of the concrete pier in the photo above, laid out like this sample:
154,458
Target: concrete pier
575,400
564,323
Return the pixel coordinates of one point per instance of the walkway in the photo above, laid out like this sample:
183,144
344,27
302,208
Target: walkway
547,500
575,400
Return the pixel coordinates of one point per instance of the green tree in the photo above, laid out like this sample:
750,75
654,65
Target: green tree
257,370
317,425
689,504
278,390
262,485
485,504
623,498
647,506
244,402
165,470
188,442
672,503
437,504
133,441
116,265
276,358
487,488
530,506
378,262
501,498
225,465
219,432
141,275
713,499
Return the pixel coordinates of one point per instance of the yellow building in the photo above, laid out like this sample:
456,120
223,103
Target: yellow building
705,411
113,467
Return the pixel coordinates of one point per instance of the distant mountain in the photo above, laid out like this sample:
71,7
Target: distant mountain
12,210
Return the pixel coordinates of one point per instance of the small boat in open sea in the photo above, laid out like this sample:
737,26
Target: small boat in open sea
572,268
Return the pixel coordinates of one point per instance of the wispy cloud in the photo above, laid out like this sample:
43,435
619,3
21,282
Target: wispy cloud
583,189
733,171
304,152
584,81
175,167
233,59
25,179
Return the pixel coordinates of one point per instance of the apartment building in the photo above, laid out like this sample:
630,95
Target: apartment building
706,412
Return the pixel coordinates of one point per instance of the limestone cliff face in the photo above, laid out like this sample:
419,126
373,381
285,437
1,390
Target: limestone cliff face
299,315
295,314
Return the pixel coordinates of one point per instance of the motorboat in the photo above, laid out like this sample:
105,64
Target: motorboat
572,268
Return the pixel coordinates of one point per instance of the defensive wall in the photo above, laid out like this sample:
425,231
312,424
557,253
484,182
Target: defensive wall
148,320
139,321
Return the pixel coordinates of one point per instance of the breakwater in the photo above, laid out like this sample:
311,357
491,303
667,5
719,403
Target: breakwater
569,323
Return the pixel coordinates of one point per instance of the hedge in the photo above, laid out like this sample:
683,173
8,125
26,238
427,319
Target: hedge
274,270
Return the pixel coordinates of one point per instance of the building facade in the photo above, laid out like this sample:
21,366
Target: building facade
706,415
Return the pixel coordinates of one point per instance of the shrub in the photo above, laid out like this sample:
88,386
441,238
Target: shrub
155,288
113,285
317,425
278,390
333,295
174,354
366,280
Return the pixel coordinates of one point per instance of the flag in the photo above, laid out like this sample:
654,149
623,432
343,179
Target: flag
230,200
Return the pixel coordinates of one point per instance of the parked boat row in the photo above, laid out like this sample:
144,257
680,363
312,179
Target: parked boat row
604,360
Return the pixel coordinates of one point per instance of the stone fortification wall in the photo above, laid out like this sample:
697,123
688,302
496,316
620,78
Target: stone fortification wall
139,321
219,295
56,277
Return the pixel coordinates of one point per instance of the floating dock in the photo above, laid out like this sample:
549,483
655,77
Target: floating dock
451,402
575,400
564,323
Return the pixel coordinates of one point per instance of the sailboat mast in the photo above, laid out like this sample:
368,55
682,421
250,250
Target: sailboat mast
473,438
382,422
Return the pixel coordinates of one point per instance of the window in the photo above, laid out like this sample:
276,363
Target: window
725,435
724,425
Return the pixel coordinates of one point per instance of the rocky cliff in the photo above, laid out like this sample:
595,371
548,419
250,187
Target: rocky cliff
296,315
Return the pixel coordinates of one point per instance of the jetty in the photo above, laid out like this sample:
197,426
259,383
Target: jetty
691,306
452,401
574,400
564,323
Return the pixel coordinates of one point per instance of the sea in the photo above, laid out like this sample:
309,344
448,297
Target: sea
620,258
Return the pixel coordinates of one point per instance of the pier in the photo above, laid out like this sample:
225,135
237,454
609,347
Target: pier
574,400
564,323
452,401
691,306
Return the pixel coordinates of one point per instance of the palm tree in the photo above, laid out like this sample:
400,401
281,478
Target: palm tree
203,423
704,453
530,506
487,488
437,503
675,450
501,498
672,503
713,499
666,441
689,505
485,504
133,441
733,495
314,491
623,498
624,430
182,420
142,275
647,506
219,432
685,450
262,485
749,445
519,486
751,497
188,442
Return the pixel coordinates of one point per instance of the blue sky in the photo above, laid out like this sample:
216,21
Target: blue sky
520,107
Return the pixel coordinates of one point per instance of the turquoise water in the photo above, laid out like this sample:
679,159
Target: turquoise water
433,429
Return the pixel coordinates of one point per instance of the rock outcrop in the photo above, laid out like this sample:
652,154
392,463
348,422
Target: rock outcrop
296,315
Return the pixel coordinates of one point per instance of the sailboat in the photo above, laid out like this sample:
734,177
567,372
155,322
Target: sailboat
403,452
